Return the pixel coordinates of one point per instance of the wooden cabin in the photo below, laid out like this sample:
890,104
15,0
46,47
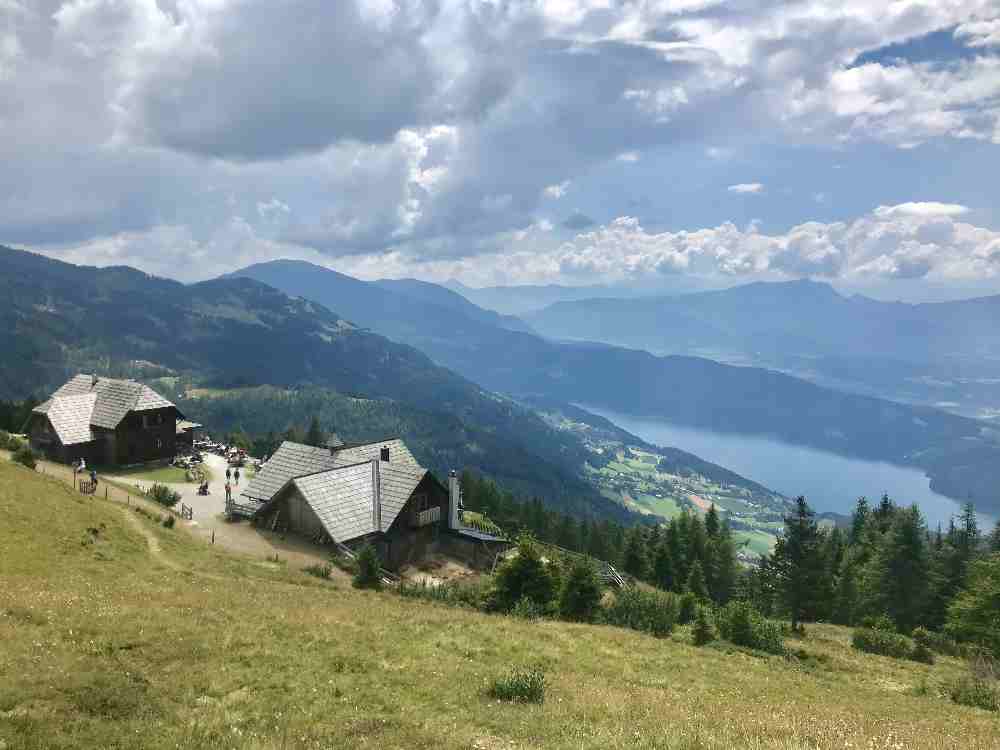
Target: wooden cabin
105,421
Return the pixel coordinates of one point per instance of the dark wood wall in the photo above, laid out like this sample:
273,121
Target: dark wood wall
146,436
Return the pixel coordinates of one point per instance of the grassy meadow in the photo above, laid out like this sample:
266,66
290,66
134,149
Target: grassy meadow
119,633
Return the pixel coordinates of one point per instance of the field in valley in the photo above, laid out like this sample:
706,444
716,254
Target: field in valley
118,632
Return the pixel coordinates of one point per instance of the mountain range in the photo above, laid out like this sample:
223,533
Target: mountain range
961,455
940,353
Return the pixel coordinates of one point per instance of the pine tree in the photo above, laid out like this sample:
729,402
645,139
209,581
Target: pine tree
636,563
859,519
677,545
898,580
973,615
995,538
315,436
696,582
712,526
799,564
663,567
725,565
368,575
580,595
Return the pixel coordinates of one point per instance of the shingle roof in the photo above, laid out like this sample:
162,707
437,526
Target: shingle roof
291,460
397,484
340,486
86,401
70,417
342,499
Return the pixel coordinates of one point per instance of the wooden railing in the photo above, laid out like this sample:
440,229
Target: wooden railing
87,487
427,517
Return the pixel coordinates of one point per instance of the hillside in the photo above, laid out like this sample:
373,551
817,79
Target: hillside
931,353
60,319
118,632
961,455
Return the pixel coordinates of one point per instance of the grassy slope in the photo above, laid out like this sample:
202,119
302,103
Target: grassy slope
107,644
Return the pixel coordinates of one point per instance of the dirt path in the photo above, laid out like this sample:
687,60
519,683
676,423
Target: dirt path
155,550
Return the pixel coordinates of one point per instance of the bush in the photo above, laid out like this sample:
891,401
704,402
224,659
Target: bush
527,609
882,642
936,642
345,563
688,608
472,594
580,596
319,570
741,624
922,654
882,622
520,685
975,692
8,442
524,576
163,495
369,575
703,631
648,611
169,521
24,456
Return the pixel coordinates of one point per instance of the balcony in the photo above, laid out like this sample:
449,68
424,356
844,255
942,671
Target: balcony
426,517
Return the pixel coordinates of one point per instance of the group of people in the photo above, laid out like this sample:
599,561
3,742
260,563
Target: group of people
80,467
231,474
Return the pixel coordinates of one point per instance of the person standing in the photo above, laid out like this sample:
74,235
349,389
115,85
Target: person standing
237,475
229,492
229,474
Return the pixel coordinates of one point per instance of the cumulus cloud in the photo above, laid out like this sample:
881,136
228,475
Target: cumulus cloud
431,131
922,208
746,187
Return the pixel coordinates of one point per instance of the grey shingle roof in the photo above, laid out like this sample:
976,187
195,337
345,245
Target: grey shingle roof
343,499
70,417
291,460
397,483
85,402
340,486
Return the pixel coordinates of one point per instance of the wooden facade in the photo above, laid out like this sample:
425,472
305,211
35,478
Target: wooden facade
141,437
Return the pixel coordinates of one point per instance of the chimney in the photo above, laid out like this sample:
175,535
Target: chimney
454,501
376,496
93,380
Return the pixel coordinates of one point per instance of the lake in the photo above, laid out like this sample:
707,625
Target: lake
829,481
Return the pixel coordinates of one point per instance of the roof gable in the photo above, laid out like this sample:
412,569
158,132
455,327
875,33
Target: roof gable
110,400
70,417
291,460
343,499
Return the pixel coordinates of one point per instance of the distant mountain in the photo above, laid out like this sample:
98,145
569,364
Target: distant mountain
961,455
945,353
521,300
58,319
443,297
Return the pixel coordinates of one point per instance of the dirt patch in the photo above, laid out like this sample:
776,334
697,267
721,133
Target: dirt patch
437,570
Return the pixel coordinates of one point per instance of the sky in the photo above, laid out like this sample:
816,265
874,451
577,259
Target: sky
658,144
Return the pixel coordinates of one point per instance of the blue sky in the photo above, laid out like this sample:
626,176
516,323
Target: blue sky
659,144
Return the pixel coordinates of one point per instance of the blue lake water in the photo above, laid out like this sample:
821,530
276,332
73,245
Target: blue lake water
829,481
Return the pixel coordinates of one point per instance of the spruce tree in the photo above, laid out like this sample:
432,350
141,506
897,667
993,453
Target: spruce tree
663,567
798,562
677,543
899,576
973,615
859,519
696,582
995,538
712,526
726,566
315,436
580,595
636,563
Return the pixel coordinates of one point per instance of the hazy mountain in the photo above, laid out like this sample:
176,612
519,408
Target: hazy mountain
944,353
961,455
59,318
520,300
441,296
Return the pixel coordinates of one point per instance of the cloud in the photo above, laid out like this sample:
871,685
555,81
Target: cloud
979,33
557,191
628,156
577,221
746,187
922,209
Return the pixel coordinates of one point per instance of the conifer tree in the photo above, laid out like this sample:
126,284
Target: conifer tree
663,567
725,566
859,519
636,563
973,615
995,538
315,436
898,582
696,582
677,544
712,526
798,562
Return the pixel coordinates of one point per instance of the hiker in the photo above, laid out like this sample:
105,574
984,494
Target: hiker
93,477
229,474
237,474
229,492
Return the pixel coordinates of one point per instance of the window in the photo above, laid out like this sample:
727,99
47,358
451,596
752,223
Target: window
421,502
159,444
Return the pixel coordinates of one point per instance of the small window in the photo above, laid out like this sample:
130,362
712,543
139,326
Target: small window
159,444
385,454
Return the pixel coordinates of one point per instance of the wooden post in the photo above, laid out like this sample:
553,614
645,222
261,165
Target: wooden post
213,536
105,492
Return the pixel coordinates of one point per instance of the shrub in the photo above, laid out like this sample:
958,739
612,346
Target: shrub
319,570
520,685
881,622
24,456
8,442
524,576
580,595
163,495
703,631
368,575
976,692
472,594
937,642
345,563
648,611
882,642
688,608
169,521
527,609
741,624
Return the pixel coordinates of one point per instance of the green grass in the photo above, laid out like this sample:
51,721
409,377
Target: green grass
106,644
171,474
662,506
759,541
